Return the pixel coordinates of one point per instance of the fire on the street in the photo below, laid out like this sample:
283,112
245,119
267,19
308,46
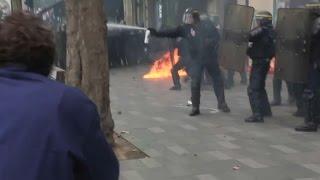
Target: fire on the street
162,67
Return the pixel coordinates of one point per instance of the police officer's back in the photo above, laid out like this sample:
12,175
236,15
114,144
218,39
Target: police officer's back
311,94
261,50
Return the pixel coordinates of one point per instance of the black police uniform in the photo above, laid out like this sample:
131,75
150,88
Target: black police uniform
196,39
277,88
208,40
298,89
311,94
229,83
261,52
185,46
175,75
183,53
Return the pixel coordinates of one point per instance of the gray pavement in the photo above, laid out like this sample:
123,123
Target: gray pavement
213,146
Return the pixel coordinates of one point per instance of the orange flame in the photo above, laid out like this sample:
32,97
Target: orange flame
162,67
272,66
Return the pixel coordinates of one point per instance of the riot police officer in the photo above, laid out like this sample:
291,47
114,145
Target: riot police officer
199,47
182,46
261,51
311,94
184,43
180,65
208,60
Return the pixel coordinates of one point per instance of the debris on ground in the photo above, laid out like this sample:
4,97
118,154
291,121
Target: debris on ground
236,168
124,132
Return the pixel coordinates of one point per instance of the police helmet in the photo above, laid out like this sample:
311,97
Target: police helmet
187,16
314,8
315,12
190,16
264,18
264,15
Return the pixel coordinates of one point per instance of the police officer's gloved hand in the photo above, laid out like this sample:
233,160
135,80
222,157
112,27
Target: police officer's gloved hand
153,31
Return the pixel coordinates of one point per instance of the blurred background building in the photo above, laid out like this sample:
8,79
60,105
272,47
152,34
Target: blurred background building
143,13
161,13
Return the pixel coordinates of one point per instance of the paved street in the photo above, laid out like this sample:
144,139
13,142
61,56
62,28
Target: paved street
213,146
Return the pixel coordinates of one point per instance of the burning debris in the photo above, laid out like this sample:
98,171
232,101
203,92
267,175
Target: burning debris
162,67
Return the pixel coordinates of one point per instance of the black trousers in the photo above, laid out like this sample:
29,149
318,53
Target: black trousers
277,88
230,77
256,91
298,89
214,71
311,98
175,73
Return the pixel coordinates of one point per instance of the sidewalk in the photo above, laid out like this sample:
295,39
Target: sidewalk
213,146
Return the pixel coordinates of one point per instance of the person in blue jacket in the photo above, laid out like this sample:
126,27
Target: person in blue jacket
48,131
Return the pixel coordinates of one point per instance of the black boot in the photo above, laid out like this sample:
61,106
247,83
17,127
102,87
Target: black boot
175,88
309,127
255,119
195,111
224,108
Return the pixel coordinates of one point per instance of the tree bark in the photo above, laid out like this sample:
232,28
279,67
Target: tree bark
87,56
16,5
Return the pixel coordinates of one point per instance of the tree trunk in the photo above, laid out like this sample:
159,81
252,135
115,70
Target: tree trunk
87,56
16,5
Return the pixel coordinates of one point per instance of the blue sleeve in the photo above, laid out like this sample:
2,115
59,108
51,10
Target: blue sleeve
81,130
100,159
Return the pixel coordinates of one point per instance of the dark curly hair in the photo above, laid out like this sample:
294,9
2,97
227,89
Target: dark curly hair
26,40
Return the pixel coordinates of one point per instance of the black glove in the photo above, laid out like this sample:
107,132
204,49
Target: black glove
153,31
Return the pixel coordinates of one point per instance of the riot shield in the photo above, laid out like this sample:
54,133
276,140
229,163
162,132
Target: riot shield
292,44
234,44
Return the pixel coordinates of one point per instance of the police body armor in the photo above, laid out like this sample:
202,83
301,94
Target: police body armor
293,44
264,47
234,43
